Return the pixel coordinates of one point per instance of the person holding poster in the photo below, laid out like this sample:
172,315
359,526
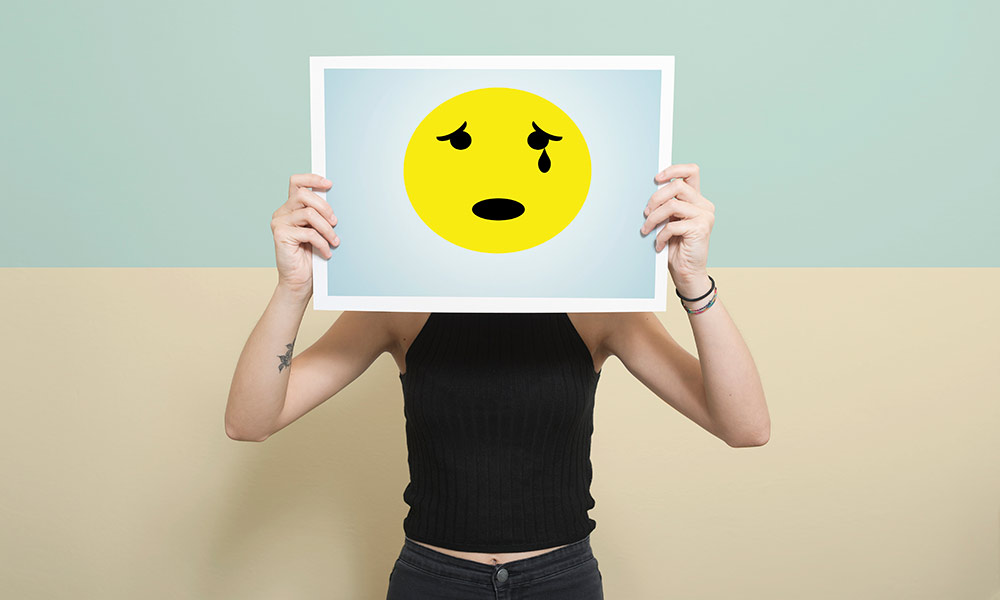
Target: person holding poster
499,406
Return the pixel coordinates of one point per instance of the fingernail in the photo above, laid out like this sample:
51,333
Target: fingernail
326,181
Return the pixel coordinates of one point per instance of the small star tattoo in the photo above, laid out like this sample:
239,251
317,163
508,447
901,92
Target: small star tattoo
286,358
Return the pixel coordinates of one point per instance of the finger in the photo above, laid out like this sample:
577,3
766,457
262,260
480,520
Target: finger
689,171
304,197
308,235
311,180
679,189
670,208
308,216
673,229
317,241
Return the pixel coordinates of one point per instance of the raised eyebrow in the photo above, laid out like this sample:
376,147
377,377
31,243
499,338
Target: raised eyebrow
446,136
554,138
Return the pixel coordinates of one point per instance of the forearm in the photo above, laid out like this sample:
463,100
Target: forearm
733,390
257,393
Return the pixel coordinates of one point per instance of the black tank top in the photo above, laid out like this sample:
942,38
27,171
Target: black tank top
499,414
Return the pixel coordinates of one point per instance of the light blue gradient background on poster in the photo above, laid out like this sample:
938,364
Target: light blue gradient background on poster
387,250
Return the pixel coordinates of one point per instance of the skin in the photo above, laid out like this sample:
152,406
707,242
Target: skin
720,389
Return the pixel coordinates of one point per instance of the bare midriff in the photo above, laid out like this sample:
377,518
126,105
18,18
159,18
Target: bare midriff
488,558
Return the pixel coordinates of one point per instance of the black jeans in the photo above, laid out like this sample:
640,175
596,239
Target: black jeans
567,573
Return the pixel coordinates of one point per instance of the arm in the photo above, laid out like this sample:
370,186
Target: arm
259,385
734,395
266,395
301,226
269,388
721,392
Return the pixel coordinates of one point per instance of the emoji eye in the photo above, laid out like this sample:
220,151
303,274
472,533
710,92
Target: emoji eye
538,140
460,139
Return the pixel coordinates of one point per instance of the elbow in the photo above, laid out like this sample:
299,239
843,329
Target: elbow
750,440
750,443
234,434
755,434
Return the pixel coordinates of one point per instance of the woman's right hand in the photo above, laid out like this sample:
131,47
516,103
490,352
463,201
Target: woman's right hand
303,222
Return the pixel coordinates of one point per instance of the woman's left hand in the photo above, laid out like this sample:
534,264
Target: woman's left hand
689,219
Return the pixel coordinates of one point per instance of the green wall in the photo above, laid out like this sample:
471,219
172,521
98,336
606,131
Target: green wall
849,134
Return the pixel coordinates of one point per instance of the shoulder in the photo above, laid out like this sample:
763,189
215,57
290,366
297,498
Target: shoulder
402,327
393,324
615,330
608,330
380,326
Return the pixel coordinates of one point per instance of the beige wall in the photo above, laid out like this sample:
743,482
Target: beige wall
881,479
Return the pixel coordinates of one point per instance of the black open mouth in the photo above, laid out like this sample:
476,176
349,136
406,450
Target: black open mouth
498,209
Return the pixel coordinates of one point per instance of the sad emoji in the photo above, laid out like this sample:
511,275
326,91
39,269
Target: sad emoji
497,170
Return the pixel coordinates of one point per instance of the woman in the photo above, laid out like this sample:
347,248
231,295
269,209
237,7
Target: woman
499,407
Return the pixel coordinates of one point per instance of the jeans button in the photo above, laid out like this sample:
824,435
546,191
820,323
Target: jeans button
502,575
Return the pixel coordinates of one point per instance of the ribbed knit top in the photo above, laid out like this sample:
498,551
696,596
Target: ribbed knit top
499,414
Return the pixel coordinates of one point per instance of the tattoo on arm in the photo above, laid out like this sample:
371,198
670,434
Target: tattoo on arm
286,358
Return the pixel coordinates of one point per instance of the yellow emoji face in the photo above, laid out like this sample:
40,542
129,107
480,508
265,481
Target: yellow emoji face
497,170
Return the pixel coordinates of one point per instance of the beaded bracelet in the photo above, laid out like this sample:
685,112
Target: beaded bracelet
703,296
703,308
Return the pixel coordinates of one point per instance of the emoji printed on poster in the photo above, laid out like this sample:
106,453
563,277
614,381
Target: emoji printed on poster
497,170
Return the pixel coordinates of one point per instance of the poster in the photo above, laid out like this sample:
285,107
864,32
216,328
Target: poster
491,183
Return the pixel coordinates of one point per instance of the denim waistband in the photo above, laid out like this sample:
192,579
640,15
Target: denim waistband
522,570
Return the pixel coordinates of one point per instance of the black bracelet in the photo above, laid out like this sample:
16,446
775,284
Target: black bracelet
702,297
